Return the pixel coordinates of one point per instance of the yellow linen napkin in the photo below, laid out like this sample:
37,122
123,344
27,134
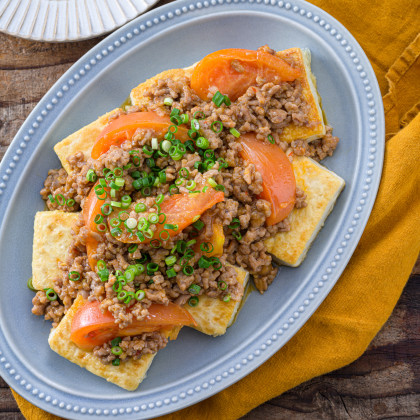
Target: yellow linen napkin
365,295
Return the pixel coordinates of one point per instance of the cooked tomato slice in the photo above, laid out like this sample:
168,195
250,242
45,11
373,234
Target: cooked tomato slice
216,237
279,184
180,209
233,71
91,208
123,128
90,327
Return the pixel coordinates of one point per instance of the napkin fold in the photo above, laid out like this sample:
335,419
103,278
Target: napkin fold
365,295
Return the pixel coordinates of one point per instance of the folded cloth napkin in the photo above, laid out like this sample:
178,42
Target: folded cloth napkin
366,293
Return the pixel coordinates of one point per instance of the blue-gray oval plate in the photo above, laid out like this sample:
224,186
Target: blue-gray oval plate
194,366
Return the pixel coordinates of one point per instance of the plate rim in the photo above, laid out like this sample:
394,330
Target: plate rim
256,357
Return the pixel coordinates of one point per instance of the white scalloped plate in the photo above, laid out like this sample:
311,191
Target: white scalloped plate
67,20
195,366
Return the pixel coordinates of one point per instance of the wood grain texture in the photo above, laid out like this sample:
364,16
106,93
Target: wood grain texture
383,383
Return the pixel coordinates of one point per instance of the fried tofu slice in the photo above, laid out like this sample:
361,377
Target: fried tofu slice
322,188
214,316
81,141
137,94
127,375
52,238
302,59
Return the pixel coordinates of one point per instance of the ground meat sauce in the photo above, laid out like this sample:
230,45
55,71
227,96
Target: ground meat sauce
264,109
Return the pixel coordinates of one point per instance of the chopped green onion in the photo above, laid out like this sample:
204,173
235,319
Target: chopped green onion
164,235
162,176
189,144
143,224
205,189
101,265
91,175
173,189
184,173
218,99
146,191
31,286
114,222
117,350
74,276
219,187
198,224
116,231
235,132
70,202
51,197
234,224
212,182
171,260
140,295
106,209
116,362
140,268
113,193
170,273
136,174
153,218
117,287
118,172
63,199
209,154
207,247
123,216
151,268
222,285
115,204
237,235
130,275
140,208
120,182
215,262
202,143
155,143
131,223
103,275
175,111
190,185
150,162
159,199
122,295
193,134
140,236
51,294
188,271
195,125
222,163
227,298
116,341
147,150
194,289
199,115
204,262
137,184
179,181
271,139
217,126
102,183
168,101
101,227
170,226
191,242
181,246
166,145
98,219
155,243
193,301
184,118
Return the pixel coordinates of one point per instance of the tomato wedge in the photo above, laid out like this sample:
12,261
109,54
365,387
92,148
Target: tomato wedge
180,209
90,327
92,207
234,70
123,128
279,184
217,238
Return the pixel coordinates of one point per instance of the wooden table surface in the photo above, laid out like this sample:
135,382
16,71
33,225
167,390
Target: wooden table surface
383,383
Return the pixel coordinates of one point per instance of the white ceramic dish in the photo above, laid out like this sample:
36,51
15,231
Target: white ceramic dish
67,20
